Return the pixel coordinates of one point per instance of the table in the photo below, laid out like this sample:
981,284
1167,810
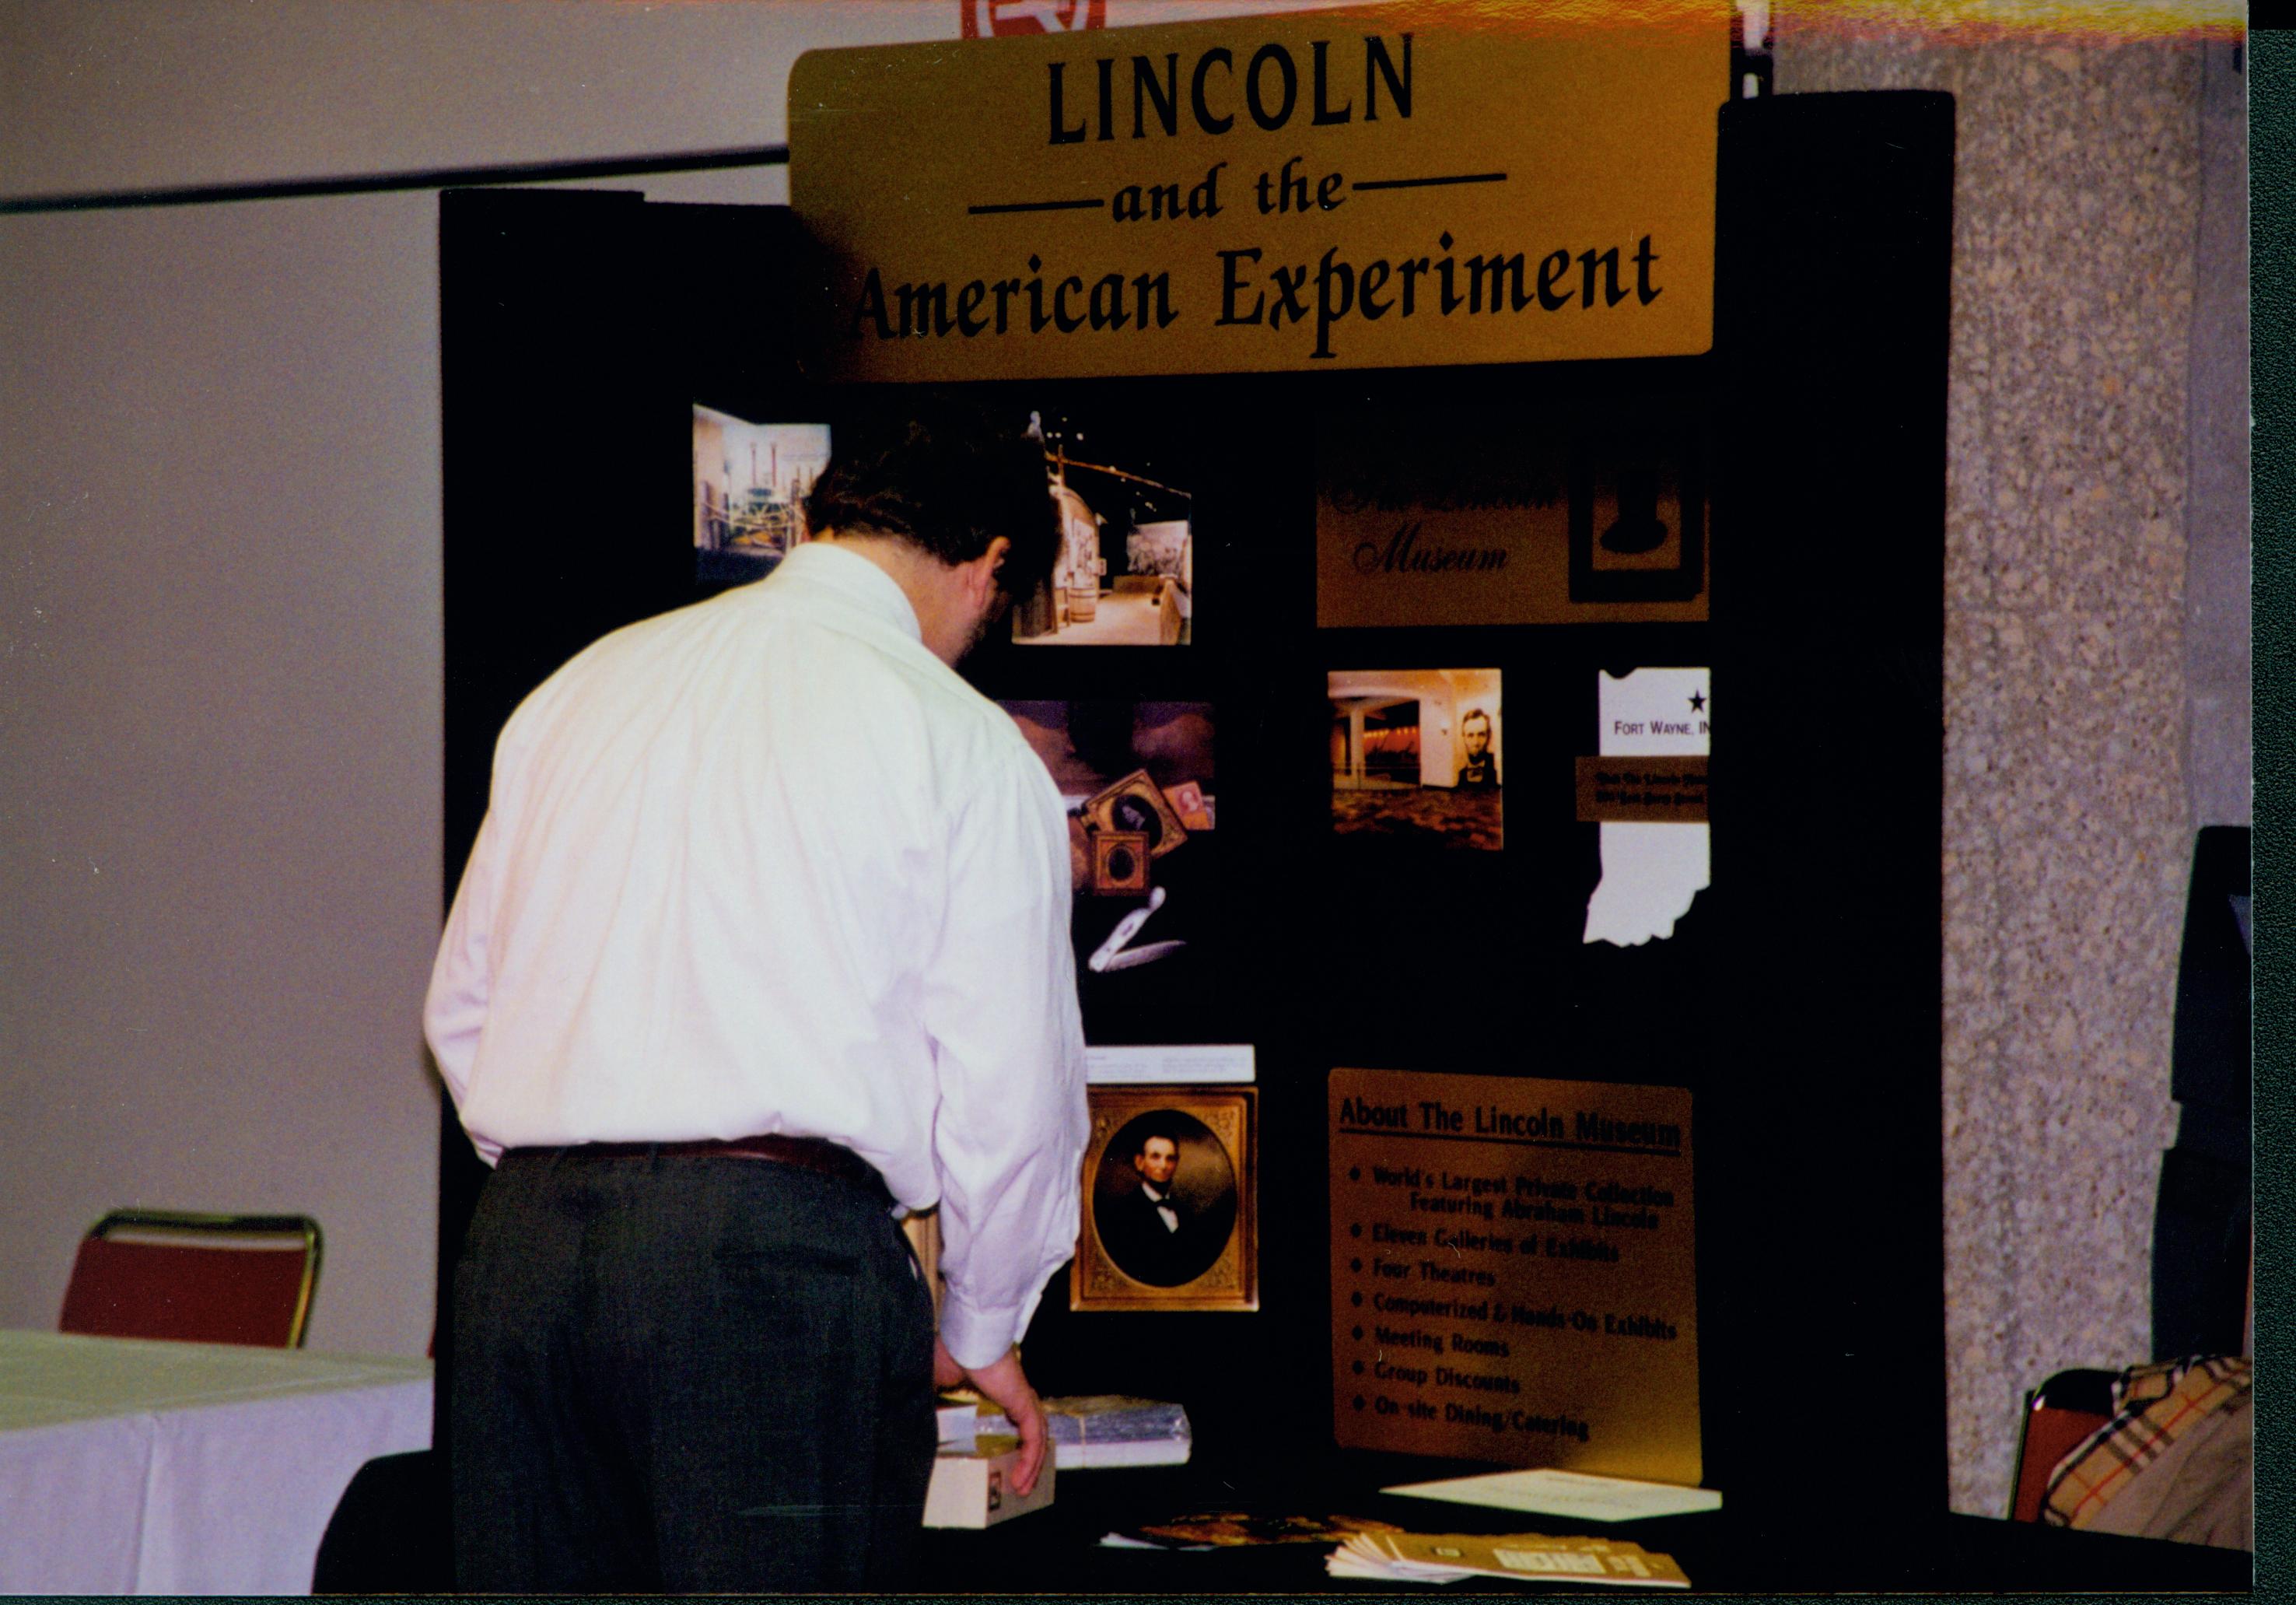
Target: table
1748,1545
129,1466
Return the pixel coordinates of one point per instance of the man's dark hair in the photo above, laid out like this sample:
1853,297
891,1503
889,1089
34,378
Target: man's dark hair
1473,714
946,478
1153,1132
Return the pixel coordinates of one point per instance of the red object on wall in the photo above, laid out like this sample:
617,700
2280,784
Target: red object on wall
997,19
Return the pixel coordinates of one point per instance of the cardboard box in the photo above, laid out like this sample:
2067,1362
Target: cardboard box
974,1487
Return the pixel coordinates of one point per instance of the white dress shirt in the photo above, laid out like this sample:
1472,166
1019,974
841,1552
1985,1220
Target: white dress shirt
765,865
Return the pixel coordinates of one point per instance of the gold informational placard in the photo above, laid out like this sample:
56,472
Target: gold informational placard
1450,514
1512,1272
1387,186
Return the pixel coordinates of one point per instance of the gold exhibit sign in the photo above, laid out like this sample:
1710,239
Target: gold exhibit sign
1516,513
1512,1272
1387,187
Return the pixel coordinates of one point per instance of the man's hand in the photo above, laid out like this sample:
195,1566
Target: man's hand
1005,1384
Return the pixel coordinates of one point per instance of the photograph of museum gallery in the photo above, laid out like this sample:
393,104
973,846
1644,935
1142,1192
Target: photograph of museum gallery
1125,572
750,485
1416,756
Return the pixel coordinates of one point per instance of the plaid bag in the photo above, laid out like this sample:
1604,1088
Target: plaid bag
2153,1406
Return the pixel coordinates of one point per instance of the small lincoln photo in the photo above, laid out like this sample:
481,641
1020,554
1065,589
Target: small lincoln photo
1418,756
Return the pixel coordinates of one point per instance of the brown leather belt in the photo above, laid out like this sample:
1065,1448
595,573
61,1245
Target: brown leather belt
806,1153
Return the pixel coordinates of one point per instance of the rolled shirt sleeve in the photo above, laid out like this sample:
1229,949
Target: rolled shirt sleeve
1000,1008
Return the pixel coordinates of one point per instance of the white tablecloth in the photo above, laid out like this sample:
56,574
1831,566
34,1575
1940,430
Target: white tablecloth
132,1467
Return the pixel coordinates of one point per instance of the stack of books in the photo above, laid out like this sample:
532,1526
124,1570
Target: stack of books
1454,1557
1092,1430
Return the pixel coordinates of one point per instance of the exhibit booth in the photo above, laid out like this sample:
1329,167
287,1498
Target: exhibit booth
1440,417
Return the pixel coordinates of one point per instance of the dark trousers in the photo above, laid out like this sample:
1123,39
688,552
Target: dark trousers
691,1375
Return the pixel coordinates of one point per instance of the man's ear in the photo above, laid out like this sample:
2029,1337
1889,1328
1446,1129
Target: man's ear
988,566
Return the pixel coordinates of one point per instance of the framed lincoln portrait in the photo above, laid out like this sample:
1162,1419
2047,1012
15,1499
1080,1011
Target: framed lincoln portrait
1170,1201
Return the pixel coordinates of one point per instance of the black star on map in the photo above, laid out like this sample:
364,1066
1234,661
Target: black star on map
1697,701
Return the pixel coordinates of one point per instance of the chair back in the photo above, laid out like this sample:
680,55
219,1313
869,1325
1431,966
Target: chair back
194,1278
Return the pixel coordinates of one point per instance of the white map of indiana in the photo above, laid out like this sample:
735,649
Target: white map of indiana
1650,872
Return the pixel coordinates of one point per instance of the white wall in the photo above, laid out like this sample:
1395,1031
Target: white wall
220,647
221,719
177,91
1438,735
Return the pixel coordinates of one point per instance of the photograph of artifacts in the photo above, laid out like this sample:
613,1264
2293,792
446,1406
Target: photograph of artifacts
1418,756
1136,778
750,486
1124,574
1168,1190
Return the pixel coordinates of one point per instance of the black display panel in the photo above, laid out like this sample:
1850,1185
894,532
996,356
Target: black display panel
1797,996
